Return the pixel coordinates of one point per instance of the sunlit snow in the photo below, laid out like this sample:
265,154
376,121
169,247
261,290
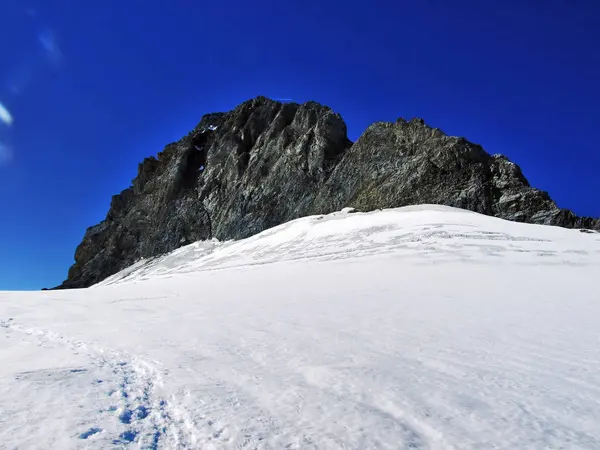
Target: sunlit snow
416,328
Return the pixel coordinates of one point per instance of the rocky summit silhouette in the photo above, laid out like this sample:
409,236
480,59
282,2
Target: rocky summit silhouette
265,163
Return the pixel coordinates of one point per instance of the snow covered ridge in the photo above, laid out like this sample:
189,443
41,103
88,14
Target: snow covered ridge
450,234
425,328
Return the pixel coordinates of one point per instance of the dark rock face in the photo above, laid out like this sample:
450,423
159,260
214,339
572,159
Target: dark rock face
265,163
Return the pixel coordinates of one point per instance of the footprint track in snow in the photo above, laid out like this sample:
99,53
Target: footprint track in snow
149,419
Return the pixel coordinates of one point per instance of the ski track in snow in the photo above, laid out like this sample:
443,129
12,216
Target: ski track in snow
424,328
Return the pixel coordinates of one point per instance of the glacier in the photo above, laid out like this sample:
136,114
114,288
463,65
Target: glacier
424,327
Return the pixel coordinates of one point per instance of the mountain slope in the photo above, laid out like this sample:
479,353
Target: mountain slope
417,328
265,163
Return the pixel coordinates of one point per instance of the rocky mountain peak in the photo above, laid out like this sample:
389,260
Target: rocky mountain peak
265,162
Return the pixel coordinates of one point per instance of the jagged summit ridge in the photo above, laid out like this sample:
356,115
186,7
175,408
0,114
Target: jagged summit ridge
266,162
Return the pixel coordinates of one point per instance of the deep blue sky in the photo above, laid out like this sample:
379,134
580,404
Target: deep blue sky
95,86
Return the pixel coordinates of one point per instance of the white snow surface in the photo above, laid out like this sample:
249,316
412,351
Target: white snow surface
415,328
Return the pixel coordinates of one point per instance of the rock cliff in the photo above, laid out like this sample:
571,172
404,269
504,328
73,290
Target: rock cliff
265,163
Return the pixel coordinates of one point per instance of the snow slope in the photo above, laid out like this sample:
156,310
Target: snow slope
416,328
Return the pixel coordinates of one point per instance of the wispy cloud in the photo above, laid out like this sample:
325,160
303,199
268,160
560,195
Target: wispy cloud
48,42
5,115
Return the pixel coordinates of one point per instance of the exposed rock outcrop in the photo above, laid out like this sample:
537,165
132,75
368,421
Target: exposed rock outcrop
265,163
